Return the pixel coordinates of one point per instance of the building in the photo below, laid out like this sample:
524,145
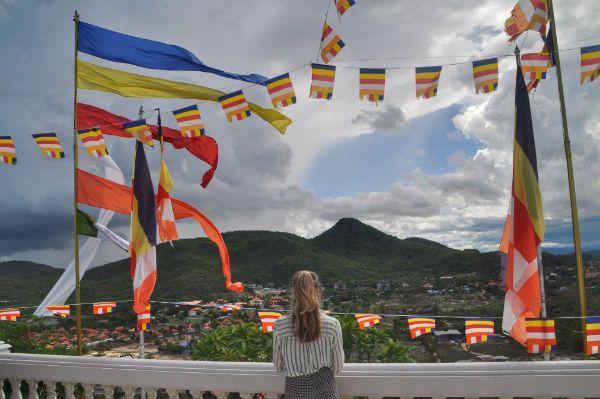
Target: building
339,286
383,285
448,336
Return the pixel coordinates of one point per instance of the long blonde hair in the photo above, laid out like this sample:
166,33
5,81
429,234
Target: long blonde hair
306,305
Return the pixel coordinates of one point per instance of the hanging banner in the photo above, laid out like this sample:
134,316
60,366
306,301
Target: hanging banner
485,74
365,320
8,151
323,79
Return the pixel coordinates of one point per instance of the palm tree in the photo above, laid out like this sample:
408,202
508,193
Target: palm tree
395,352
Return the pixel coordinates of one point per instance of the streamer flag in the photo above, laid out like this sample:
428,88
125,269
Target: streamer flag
527,15
541,337
126,84
8,151
590,63
93,141
427,79
331,44
478,330
9,314
88,226
371,84
99,308
59,310
140,131
526,233
365,320
143,319
343,5
419,326
235,106
164,209
267,319
323,78
189,121
485,73
151,54
592,334
281,91
49,144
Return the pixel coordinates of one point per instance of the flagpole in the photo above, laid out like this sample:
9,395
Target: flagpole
571,179
75,175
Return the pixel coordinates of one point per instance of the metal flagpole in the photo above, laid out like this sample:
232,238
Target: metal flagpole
571,178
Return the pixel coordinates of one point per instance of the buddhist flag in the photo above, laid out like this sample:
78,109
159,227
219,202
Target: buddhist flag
49,144
478,330
541,337
419,326
166,219
143,232
143,319
93,141
331,44
59,310
140,131
592,334
365,320
189,121
427,79
527,15
323,78
267,319
535,66
281,91
103,307
590,63
235,106
485,74
547,49
526,220
9,314
371,84
343,5
229,307
8,151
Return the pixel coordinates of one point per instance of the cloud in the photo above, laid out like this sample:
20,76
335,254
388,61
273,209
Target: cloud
390,119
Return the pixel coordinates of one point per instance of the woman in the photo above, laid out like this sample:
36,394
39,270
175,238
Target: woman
307,345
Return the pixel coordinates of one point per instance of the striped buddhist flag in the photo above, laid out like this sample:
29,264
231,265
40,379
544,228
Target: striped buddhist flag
331,44
103,307
371,84
281,91
143,319
49,144
365,320
323,78
590,63
167,230
343,5
541,337
485,74
189,121
9,314
535,66
547,49
59,310
419,326
592,335
140,131
235,106
478,330
8,151
267,319
143,232
427,79
93,141
229,307
527,15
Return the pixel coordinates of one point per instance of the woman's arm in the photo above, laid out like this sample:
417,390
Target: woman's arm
338,349
277,355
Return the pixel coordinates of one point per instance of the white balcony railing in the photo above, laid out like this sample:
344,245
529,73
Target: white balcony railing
575,379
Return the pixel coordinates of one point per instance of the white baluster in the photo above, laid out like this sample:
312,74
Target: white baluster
246,395
50,390
220,395
173,393
69,390
33,393
150,393
88,391
109,391
196,393
128,392
2,388
272,395
16,389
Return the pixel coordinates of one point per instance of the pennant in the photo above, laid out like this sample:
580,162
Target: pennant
535,66
267,319
527,15
229,307
235,106
323,78
59,310
103,307
419,326
331,44
140,131
485,74
8,151
365,320
189,121
477,331
590,63
427,79
9,314
541,337
592,335
167,230
281,91
343,5
88,226
49,145
371,84
143,319
93,141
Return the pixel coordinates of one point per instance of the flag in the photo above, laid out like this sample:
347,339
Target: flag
49,144
103,307
478,330
527,15
142,264
323,78
427,79
485,73
93,141
140,131
503,250
88,226
9,314
549,49
229,307
592,335
365,320
267,319
167,230
535,66
343,5
590,63
526,233
235,106
371,84
331,44
143,318
8,151
541,337
189,121
281,91
59,310
419,326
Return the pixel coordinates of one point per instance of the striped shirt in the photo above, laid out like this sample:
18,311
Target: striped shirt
297,359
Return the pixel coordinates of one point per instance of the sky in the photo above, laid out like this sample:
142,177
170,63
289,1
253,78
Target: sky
437,168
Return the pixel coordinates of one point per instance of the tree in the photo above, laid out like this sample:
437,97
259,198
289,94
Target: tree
235,343
395,352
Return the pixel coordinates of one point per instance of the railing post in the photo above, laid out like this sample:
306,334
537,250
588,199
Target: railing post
33,393
15,386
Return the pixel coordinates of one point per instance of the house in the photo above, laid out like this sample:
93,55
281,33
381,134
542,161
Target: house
448,336
383,285
339,286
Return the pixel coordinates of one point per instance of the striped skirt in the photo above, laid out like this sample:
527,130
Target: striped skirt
319,385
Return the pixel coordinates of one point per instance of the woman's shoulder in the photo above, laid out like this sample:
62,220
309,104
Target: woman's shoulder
329,322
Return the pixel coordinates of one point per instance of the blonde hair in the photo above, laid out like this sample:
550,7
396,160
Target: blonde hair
306,305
